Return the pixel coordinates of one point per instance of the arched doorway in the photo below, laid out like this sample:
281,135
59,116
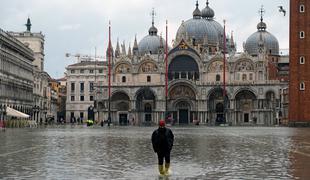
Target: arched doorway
145,104
120,105
182,97
90,113
183,108
245,101
218,106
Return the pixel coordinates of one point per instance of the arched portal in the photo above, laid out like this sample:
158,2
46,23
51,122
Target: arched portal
145,104
245,101
183,67
120,103
183,98
218,106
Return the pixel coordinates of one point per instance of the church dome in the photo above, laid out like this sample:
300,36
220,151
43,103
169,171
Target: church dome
198,29
150,44
262,38
207,12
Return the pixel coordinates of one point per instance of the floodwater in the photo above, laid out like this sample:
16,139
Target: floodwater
78,152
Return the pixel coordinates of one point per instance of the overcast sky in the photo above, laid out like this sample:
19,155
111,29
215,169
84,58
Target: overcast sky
78,26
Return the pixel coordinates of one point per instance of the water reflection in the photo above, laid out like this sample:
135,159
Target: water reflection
126,153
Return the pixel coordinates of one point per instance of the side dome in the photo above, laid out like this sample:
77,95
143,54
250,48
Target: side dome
262,38
150,44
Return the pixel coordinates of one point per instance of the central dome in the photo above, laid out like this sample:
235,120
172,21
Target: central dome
202,28
198,29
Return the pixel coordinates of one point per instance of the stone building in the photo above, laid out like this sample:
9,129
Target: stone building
195,78
82,78
35,41
16,75
299,91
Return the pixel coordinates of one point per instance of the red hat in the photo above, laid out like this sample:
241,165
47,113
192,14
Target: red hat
162,123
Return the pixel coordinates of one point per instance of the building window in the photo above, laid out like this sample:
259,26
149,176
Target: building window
82,98
91,86
91,71
72,71
91,98
251,77
124,79
301,60
72,98
302,86
72,87
218,77
301,8
301,34
82,71
243,77
148,78
81,87
100,71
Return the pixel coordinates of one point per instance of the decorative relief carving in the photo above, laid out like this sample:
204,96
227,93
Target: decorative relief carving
123,68
148,67
181,92
183,45
217,66
244,66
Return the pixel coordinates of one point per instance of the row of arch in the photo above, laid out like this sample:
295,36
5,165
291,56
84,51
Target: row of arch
186,63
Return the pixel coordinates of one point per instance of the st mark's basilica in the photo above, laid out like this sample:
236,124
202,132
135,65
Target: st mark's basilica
254,78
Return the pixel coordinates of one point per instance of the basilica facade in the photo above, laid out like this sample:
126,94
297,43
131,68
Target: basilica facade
195,77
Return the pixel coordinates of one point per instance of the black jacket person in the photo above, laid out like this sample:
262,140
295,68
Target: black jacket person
162,140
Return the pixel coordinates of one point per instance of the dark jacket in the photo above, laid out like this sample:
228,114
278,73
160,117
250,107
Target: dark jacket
162,140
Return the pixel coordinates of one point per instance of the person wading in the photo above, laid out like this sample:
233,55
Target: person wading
162,140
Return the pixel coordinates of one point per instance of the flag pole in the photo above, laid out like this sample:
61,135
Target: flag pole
166,73
109,75
224,70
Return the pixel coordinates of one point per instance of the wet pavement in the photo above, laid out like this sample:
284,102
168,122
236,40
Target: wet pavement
78,152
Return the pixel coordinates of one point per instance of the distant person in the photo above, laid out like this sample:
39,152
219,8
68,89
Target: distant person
162,141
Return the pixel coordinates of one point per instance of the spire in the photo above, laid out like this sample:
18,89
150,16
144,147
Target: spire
123,48
117,50
197,13
232,38
261,26
135,44
153,16
207,2
153,29
129,51
28,25
261,12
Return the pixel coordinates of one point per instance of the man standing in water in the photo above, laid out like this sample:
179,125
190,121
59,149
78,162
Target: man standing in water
162,140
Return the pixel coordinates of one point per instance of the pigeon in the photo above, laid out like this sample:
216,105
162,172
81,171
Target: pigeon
282,10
